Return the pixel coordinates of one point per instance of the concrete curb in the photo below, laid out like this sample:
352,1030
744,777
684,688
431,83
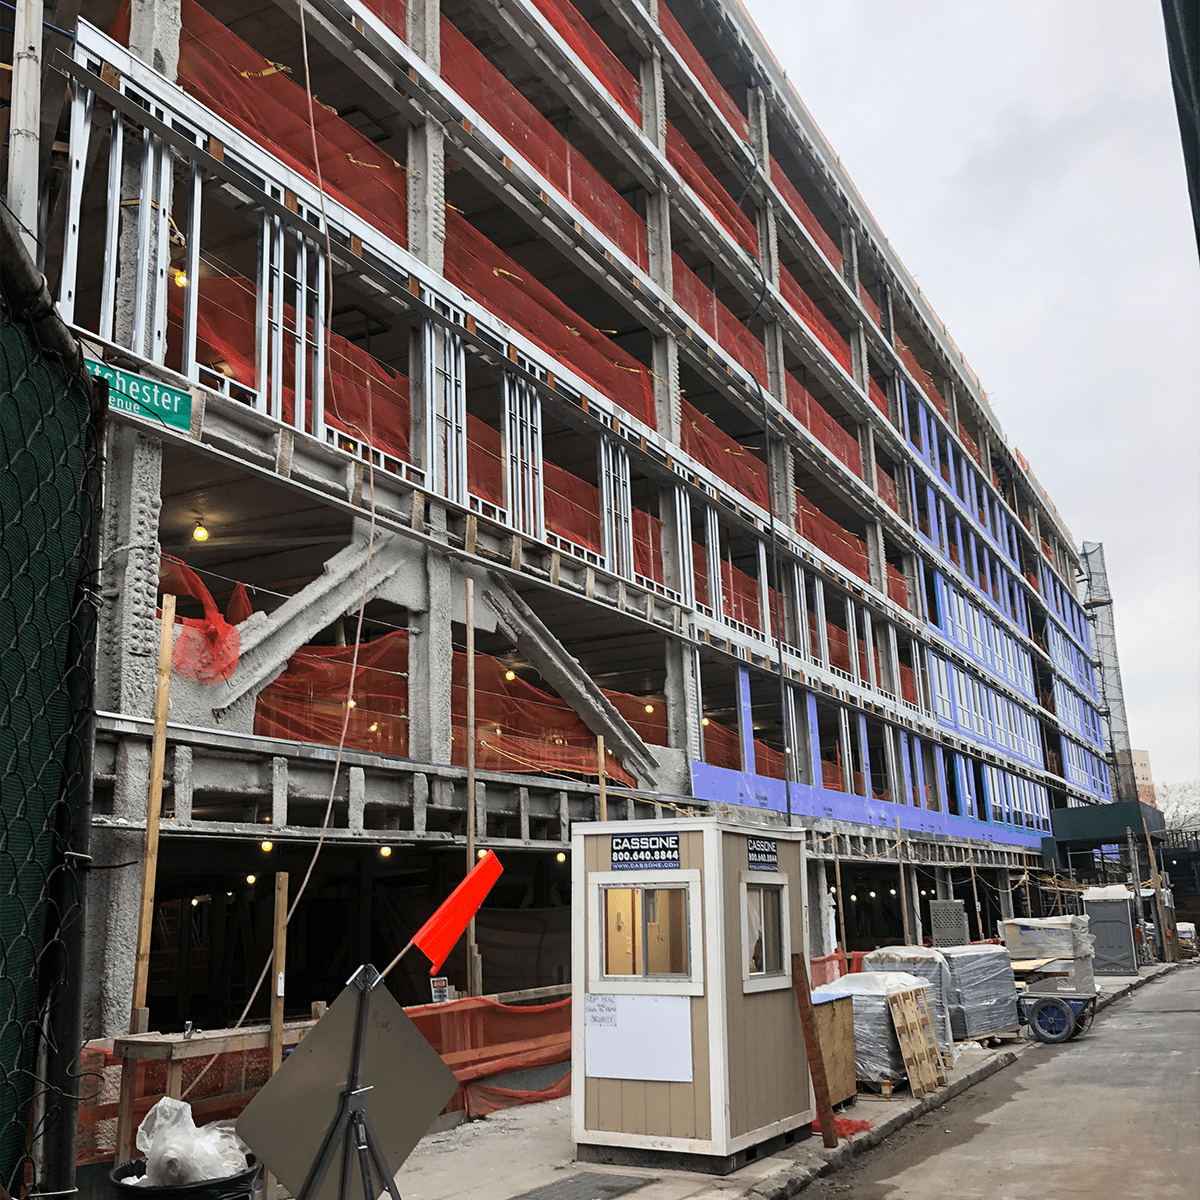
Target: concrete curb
834,1160
870,1138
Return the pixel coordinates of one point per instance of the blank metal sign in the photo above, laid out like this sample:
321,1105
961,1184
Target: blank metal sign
286,1122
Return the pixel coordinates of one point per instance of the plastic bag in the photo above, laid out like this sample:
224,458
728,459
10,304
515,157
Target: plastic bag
178,1152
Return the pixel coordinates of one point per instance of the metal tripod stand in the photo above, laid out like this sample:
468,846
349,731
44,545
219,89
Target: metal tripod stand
351,1128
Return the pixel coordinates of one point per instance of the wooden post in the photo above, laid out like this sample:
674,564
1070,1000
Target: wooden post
903,886
278,968
1028,903
837,875
1160,908
138,1016
474,966
975,894
812,1044
600,774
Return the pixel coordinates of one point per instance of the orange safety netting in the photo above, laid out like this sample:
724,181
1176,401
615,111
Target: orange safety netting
207,648
887,488
482,269
595,55
470,73
877,394
840,442
485,471
739,596
769,761
647,545
700,302
722,455
924,382
808,312
393,13
700,574
572,508
827,535
869,304
362,397
519,728
908,684
708,189
723,748
805,215
897,586
702,71
971,444
256,95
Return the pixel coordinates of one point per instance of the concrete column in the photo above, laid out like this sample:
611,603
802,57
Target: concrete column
24,129
683,698
431,657
426,148
822,938
668,411
876,562
1004,882
181,784
914,905
866,447
945,889
858,356
850,258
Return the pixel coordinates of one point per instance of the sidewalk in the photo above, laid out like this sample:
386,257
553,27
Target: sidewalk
520,1149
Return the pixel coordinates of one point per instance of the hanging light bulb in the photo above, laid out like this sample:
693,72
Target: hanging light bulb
893,891
351,704
510,675
480,853
385,852
853,897
704,721
649,708
181,279
200,533
251,878
373,727
560,857
268,845
872,895
195,901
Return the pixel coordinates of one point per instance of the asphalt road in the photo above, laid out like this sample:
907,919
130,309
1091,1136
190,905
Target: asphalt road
1114,1114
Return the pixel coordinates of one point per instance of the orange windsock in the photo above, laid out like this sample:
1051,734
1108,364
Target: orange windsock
436,938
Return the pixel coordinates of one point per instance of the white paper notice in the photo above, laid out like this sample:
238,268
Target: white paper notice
638,1037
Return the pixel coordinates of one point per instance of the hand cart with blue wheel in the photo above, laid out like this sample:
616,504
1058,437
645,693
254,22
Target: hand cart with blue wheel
1057,1017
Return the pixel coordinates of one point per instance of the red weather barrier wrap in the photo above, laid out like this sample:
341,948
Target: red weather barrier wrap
971,444
482,269
739,596
908,684
700,574
207,647
707,187
922,377
871,307
887,488
878,395
821,326
540,143
572,508
595,55
826,534
840,442
362,397
805,215
700,302
393,13
702,71
726,458
519,729
897,586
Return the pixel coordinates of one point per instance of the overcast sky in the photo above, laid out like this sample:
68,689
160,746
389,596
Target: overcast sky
1023,158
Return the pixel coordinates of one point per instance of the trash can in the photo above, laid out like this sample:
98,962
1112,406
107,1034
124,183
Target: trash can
228,1187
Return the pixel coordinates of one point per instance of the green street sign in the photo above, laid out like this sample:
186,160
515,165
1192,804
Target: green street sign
145,397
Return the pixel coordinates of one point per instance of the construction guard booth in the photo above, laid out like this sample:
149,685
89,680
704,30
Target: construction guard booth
686,1040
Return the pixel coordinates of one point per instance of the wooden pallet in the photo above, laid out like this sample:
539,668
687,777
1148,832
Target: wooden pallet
918,1043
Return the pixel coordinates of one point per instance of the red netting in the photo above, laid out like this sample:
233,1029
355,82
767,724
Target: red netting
877,394
256,95
485,472
700,574
840,442
362,397
704,183
924,382
572,507
971,444
769,761
805,215
722,746
702,71
393,13
207,647
722,455
887,488
739,596
908,684
700,302
814,318
827,535
482,269
647,545
595,55
839,646
519,728
870,305
508,112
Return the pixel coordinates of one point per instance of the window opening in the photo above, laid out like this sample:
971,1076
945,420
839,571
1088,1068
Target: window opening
645,931
764,929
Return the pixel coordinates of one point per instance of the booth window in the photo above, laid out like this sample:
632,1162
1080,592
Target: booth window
767,943
645,931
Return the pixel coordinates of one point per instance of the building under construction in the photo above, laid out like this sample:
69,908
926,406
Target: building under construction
576,303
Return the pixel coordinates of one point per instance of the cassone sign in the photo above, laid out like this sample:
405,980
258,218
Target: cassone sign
645,851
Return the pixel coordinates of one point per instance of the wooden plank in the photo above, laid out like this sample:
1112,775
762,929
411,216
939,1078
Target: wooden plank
278,965
125,1109
812,1044
835,1028
158,752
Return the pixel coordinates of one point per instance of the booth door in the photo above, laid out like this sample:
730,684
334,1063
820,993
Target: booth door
1111,925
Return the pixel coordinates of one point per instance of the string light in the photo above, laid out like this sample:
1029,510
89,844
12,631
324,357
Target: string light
351,704
181,280
853,897
510,675
893,891
251,878
649,708
200,533
268,845
481,853
373,727
560,857
872,895
385,851
195,901
704,721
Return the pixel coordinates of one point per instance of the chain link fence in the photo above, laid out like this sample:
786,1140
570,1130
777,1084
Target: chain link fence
49,492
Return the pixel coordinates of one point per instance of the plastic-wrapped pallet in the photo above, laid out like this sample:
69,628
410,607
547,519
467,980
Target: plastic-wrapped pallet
876,1049
1048,937
983,992
926,963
